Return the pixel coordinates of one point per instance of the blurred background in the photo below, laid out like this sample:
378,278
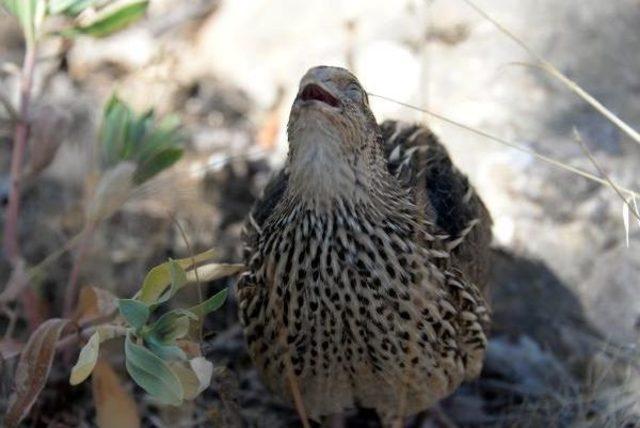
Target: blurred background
565,283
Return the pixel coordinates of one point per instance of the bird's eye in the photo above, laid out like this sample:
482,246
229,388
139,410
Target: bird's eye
355,92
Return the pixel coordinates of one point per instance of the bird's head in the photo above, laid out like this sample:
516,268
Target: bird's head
333,136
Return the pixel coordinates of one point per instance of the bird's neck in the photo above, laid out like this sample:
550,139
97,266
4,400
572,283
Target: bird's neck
323,174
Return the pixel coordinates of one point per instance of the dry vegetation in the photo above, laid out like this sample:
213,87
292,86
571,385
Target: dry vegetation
99,189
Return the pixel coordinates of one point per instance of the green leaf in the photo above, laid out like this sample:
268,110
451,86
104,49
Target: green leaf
30,13
136,313
69,7
11,6
171,326
113,134
112,18
147,168
213,303
86,360
178,278
152,374
166,352
166,134
152,144
55,7
159,278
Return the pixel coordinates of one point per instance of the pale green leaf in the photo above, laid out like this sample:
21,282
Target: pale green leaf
211,304
171,326
159,278
86,360
112,18
55,7
30,13
69,7
166,352
152,374
188,379
178,278
135,312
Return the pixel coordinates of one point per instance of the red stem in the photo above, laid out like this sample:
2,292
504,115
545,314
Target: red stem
21,136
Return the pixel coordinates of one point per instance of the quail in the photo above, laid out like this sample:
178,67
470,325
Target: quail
367,255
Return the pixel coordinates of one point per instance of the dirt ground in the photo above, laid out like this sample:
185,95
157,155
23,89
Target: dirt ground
564,287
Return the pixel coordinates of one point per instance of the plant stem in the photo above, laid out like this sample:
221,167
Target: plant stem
72,286
21,136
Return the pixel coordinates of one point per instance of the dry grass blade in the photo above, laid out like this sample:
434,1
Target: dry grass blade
511,144
602,172
33,369
554,72
183,234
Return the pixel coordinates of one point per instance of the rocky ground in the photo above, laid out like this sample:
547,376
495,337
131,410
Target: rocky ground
564,284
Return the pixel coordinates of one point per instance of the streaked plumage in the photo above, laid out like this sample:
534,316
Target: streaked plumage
366,258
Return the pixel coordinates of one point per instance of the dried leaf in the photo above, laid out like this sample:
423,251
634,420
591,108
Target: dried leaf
17,282
86,360
115,408
110,331
190,348
203,370
188,379
95,302
33,369
9,349
49,129
213,271
112,192
268,133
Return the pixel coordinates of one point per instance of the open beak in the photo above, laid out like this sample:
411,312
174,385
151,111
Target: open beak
315,92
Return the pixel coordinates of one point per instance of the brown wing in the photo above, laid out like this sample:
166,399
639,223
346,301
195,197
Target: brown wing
422,163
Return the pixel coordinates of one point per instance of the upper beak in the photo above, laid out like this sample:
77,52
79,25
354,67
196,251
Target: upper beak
315,90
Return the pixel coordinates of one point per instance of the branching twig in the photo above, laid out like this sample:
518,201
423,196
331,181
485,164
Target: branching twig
602,172
554,72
